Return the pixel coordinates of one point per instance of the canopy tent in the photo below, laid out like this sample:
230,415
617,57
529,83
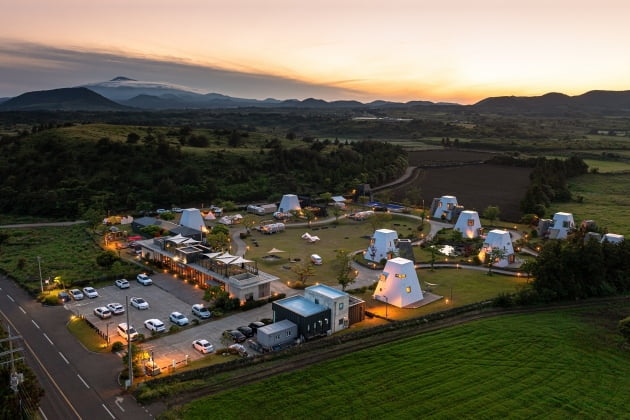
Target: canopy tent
274,251
310,238
240,260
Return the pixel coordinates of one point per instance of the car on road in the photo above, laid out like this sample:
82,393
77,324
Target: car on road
255,345
138,302
201,311
76,294
63,297
177,210
239,348
122,283
255,325
235,335
247,331
178,318
203,346
90,292
116,308
102,312
144,280
154,324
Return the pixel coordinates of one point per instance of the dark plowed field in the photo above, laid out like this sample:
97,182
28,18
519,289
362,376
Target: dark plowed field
476,186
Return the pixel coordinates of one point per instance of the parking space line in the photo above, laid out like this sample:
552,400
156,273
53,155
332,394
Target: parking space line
109,412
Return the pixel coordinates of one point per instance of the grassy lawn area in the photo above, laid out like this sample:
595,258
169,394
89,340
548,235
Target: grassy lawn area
561,364
604,197
69,252
87,336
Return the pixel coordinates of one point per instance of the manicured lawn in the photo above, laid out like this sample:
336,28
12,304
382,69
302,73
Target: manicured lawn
605,195
87,336
562,364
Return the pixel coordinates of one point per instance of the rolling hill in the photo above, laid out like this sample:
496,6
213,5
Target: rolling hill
65,99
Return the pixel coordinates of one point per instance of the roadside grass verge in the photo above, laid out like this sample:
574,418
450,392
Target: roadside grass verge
560,364
87,336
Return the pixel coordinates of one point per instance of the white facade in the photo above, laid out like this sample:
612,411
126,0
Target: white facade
382,245
289,202
445,206
613,238
398,285
468,224
192,218
562,224
498,239
337,300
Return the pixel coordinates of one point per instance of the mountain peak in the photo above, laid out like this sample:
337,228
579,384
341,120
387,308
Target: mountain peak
122,79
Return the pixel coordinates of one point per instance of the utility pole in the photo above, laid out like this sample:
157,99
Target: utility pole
39,264
129,355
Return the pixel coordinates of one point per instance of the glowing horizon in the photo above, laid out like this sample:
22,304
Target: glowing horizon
402,50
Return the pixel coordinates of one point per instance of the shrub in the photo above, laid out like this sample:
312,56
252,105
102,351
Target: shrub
117,346
503,300
173,328
624,328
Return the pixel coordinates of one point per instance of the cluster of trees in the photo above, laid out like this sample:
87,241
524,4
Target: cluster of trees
48,173
549,183
575,270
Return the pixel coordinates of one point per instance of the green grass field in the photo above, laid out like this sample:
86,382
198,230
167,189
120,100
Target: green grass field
605,197
556,365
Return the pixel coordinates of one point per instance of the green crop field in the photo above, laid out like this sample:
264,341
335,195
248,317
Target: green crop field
604,198
555,365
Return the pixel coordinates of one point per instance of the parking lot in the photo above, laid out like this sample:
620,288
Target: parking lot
166,295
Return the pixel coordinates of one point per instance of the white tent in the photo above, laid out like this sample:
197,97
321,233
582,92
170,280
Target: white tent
209,216
289,202
468,224
310,238
562,224
382,244
613,238
192,218
498,239
444,207
398,285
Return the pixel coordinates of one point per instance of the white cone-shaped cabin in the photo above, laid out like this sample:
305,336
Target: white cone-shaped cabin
398,285
468,224
382,245
562,224
192,218
289,202
445,206
498,239
613,238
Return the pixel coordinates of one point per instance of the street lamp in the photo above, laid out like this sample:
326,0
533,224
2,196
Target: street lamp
39,264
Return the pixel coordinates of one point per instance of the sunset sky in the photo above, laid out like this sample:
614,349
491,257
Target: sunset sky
450,50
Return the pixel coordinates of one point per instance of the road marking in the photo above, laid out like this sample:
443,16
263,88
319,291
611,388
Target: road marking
42,413
110,413
22,309
84,383
35,323
49,340
64,358
10,298
52,380
119,401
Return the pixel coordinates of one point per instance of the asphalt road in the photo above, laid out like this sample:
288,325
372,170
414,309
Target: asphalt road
78,384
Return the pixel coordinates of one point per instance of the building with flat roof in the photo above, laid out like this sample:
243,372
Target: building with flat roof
335,299
312,319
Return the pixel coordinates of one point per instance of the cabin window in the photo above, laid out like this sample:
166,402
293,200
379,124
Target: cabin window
439,204
400,275
408,289
382,277
317,301
288,333
449,206
471,222
341,322
341,306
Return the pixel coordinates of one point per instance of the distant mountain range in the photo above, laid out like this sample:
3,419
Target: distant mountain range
123,93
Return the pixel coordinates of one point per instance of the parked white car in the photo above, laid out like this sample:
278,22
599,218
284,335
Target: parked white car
90,292
201,311
154,324
144,280
138,302
116,308
122,283
102,312
178,318
76,294
203,346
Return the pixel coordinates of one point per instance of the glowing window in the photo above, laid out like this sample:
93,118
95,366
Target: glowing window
408,289
400,276
382,277
439,204
471,222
